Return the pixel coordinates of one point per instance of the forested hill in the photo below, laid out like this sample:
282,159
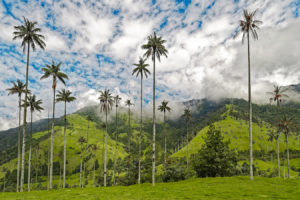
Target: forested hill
204,112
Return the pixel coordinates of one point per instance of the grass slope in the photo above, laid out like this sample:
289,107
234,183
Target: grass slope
237,132
77,127
232,188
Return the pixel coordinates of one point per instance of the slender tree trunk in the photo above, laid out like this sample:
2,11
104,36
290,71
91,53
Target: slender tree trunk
165,156
80,183
250,111
83,174
187,145
116,137
287,155
141,129
37,164
271,155
19,145
24,120
94,173
52,137
59,182
4,182
129,129
48,175
65,147
154,130
105,149
29,159
278,159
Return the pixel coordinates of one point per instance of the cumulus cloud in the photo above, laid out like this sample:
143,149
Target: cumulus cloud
98,41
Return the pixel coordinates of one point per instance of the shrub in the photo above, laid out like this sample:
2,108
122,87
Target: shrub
215,157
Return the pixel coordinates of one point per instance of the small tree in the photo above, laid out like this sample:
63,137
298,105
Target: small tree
215,158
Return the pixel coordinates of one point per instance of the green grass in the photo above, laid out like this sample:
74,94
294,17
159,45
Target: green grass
77,127
233,188
237,132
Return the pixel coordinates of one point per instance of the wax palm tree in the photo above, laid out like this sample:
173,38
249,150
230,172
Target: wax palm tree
81,141
163,108
34,105
106,100
129,104
54,71
154,48
18,88
271,137
249,24
117,100
285,126
142,71
66,97
31,37
187,115
278,94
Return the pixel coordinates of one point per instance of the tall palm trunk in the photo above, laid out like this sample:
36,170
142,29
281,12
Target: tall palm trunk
278,159
187,145
29,158
250,110
116,137
52,137
4,181
105,149
165,156
19,145
94,175
65,147
154,131
48,172
271,155
24,120
129,130
287,155
141,129
37,163
80,183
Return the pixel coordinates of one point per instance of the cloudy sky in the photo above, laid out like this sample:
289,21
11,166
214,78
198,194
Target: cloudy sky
98,41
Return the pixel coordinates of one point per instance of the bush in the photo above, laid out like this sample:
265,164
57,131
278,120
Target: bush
177,171
215,157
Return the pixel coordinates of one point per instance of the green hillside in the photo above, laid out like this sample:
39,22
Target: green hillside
231,188
236,130
77,126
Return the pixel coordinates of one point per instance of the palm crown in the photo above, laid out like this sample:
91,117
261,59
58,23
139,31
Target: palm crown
106,100
164,106
249,24
65,96
187,114
117,100
29,34
271,136
278,94
34,104
54,71
18,88
128,103
81,140
155,47
286,124
141,69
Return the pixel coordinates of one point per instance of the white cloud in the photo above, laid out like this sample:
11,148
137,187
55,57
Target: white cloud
203,62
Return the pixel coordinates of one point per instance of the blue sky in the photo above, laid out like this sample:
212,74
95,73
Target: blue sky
98,41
